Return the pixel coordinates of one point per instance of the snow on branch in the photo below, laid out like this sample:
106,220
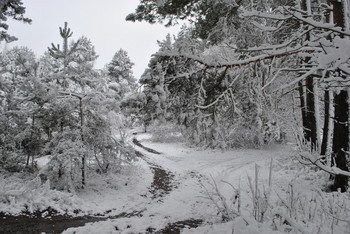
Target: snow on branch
308,157
71,94
300,78
326,26
238,63
259,14
277,73
264,28
300,227
279,46
228,90
298,15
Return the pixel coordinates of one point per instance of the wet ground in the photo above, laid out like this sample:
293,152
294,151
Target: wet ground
49,222
32,224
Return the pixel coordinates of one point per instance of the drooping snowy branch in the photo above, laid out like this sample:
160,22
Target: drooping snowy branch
309,158
239,63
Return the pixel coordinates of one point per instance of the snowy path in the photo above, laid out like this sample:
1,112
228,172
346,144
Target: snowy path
164,192
183,202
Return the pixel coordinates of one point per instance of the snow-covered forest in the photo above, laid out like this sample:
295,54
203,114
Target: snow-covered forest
239,124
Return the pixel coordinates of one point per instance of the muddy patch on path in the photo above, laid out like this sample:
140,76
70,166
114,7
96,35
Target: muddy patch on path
175,228
163,181
34,224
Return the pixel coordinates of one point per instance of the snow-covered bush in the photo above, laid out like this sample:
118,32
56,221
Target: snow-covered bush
228,209
23,193
165,132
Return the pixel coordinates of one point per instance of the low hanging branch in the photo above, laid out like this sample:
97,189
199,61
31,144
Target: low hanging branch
244,62
229,89
319,25
309,158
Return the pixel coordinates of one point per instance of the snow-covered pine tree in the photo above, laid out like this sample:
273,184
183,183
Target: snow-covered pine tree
64,54
11,9
20,139
121,78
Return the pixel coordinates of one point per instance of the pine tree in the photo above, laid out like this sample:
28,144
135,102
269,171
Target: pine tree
121,79
64,54
11,9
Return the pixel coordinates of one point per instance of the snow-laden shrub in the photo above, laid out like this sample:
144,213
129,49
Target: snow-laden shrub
165,133
12,161
24,193
293,207
228,209
70,157
66,151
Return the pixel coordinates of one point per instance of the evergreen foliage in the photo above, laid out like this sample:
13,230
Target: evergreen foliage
11,9
244,59
58,107
119,70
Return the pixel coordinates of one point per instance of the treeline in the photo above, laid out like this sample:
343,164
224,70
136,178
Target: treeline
61,107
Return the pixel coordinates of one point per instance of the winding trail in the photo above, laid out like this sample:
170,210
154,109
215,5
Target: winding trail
164,182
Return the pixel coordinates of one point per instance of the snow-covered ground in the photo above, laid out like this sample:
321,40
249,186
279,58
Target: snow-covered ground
195,172
193,169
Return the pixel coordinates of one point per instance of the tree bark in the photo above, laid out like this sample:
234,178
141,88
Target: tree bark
302,106
324,144
310,125
341,138
82,139
341,129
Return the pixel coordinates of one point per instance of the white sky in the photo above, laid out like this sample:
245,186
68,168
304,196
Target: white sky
102,21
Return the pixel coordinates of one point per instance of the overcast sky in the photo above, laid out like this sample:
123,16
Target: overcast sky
102,21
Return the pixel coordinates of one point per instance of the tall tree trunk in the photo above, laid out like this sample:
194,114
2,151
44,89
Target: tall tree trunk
324,145
302,106
341,137
341,129
311,130
82,139
310,125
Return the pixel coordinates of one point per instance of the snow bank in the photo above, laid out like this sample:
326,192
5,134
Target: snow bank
18,194
115,193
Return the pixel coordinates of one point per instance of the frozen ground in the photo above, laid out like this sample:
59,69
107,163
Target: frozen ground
180,202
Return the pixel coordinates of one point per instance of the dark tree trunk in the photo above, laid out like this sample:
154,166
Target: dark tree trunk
82,139
341,129
311,128
327,106
326,123
302,107
341,138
